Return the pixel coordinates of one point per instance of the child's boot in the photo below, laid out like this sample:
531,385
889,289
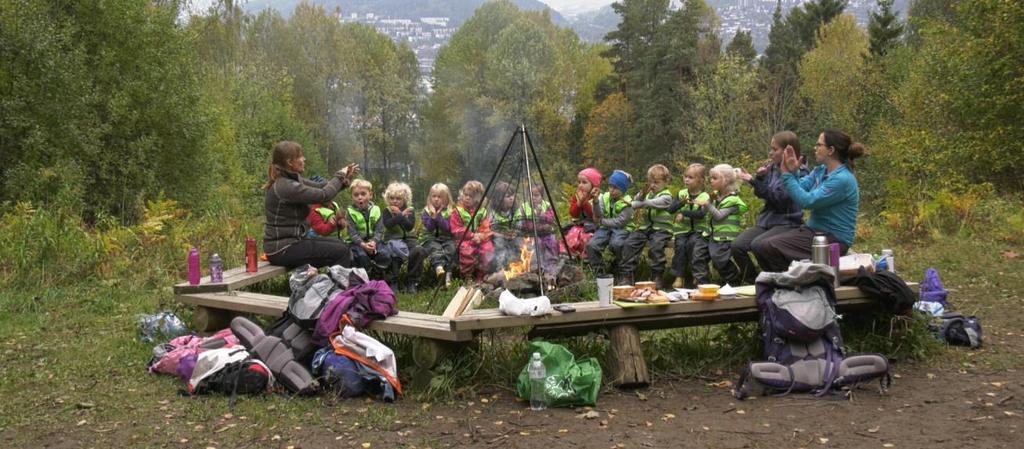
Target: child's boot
678,283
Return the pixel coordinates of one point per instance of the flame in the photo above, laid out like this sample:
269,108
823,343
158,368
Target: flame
521,266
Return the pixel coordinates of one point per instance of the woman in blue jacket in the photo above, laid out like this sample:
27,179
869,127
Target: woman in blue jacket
831,194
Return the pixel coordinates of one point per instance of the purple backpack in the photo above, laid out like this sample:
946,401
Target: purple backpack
364,303
932,289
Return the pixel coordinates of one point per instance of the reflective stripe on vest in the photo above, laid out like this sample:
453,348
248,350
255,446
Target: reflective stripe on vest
359,220
525,211
502,222
688,224
612,208
728,228
658,219
466,217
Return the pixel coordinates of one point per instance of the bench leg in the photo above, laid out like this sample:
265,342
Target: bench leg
206,319
626,358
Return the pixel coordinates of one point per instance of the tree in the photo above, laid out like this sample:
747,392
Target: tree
607,136
742,47
831,75
884,29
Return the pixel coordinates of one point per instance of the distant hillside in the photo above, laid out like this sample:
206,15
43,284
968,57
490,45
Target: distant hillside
456,10
593,25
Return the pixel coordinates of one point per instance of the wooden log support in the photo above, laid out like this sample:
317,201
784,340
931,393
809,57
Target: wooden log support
625,362
427,352
207,319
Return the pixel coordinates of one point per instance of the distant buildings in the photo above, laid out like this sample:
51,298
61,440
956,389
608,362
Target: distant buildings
425,35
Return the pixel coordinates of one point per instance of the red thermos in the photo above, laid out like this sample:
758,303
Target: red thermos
250,255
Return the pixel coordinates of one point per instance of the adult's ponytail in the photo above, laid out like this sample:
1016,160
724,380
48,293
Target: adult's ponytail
284,152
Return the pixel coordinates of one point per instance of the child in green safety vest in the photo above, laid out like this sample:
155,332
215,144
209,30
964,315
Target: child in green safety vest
690,224
653,229
725,214
613,214
327,219
400,242
437,234
365,230
503,223
471,227
536,218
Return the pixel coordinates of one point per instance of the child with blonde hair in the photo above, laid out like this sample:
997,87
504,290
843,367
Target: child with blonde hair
437,235
725,212
399,239
365,230
471,227
690,224
654,227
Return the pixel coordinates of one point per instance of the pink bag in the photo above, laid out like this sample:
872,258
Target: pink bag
186,345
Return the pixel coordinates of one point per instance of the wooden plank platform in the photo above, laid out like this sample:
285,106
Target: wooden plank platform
234,279
589,315
405,323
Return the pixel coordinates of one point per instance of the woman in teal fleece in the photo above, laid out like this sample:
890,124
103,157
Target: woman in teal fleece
830,192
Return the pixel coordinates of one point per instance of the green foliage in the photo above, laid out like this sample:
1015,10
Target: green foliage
505,67
110,87
884,28
831,75
742,47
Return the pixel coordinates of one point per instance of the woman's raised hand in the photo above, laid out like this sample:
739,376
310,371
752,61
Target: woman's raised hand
789,161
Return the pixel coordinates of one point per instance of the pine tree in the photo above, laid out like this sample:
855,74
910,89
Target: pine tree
884,29
742,47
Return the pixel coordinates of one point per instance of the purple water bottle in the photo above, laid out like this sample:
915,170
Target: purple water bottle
193,266
216,269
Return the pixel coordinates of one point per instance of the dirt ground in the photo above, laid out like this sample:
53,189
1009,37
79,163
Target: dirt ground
963,398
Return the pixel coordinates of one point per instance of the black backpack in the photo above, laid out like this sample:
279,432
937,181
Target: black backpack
958,330
886,287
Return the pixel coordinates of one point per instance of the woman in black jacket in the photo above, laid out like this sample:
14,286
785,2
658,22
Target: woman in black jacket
287,201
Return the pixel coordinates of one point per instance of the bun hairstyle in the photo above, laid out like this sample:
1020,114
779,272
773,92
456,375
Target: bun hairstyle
846,149
284,152
731,175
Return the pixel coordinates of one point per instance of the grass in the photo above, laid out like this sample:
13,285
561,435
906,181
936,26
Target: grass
71,364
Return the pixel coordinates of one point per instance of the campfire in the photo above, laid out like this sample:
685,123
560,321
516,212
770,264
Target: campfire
520,267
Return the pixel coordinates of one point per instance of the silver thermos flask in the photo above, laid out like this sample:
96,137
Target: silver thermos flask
819,250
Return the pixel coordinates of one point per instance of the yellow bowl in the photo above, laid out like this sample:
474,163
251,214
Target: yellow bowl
708,289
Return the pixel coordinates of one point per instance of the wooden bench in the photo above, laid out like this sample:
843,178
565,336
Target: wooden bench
216,304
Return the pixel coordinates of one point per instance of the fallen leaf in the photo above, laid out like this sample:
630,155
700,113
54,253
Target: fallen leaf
524,433
888,445
1009,413
931,376
81,423
275,438
498,423
1010,254
563,430
183,440
990,395
823,440
589,415
603,423
723,384
705,427
641,396
740,412
667,417
484,400
996,384
873,429
648,423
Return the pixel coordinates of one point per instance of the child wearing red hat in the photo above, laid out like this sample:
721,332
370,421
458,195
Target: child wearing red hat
581,209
